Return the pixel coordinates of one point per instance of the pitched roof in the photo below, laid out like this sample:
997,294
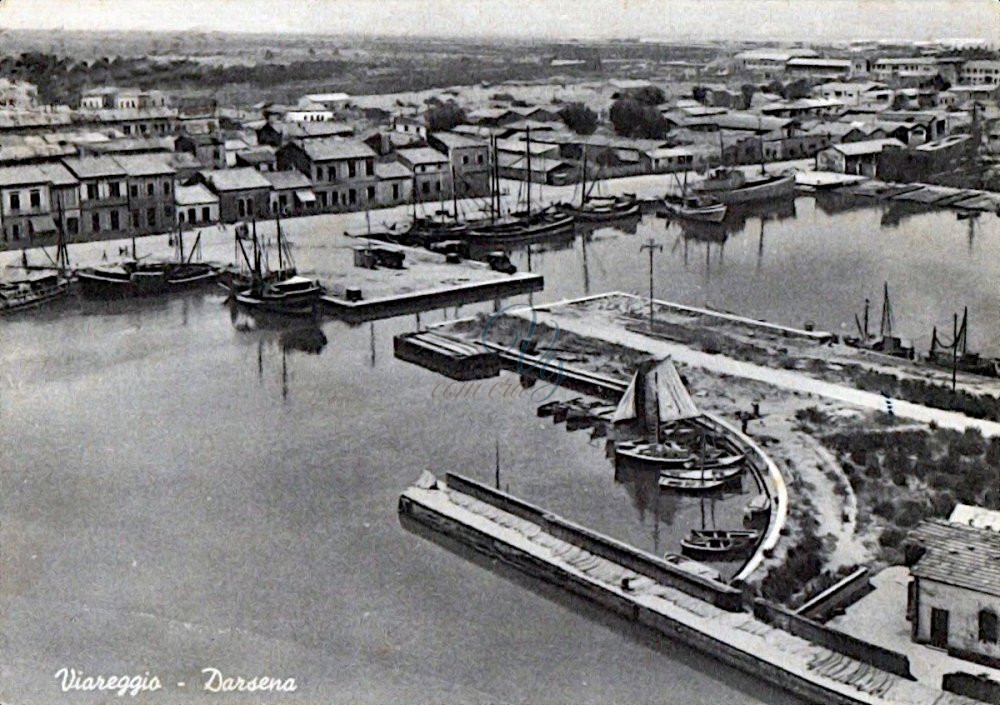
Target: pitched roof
854,149
241,179
963,556
283,180
332,148
195,195
326,128
421,155
453,140
392,170
23,174
144,164
93,167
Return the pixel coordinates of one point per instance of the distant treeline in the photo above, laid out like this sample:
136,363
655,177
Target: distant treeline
61,80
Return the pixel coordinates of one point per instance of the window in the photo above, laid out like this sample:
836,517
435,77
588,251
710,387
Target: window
241,207
72,225
370,167
352,170
151,217
191,215
465,159
479,159
331,173
166,188
95,222
35,197
15,231
168,212
115,188
395,192
352,196
370,193
425,187
205,214
988,631
115,223
150,189
15,201
135,190
180,217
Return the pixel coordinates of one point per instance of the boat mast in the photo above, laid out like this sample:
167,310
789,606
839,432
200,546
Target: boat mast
256,250
885,327
62,250
281,243
454,194
527,149
180,242
583,182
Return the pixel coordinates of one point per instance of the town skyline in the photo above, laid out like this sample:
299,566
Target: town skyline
679,20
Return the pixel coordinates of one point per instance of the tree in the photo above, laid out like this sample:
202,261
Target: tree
699,93
747,89
634,119
650,95
796,89
579,118
444,116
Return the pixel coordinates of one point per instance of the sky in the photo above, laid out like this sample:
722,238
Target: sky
807,20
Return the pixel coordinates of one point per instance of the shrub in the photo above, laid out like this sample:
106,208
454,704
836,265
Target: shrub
632,118
579,118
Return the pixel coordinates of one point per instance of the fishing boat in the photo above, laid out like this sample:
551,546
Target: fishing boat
677,484
725,474
37,287
718,545
147,277
654,398
885,342
956,356
744,535
598,208
700,208
734,186
282,291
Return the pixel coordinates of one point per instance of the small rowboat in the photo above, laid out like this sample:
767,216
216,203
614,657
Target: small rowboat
676,484
724,474
701,208
653,458
726,461
719,545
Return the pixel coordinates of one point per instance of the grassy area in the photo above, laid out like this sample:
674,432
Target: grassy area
907,474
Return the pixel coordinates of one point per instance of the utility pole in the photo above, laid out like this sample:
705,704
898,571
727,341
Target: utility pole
954,354
653,247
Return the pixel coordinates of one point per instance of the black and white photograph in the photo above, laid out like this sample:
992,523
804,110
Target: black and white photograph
464,352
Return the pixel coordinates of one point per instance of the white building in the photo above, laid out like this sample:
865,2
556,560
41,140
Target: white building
330,101
196,205
768,63
954,599
850,93
977,73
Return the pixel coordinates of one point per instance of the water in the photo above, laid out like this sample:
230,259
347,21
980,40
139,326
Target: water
180,493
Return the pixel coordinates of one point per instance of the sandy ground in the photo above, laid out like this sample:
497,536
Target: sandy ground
880,617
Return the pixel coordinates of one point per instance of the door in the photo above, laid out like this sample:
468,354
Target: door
939,627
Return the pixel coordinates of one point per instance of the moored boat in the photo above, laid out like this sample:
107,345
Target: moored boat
32,290
735,186
700,208
676,484
294,296
144,278
603,209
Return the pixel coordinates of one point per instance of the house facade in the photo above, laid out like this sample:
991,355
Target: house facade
151,182
468,159
103,190
243,193
342,171
196,205
954,596
431,172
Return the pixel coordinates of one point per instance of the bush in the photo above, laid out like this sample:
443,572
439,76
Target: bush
579,118
632,118
891,537
444,116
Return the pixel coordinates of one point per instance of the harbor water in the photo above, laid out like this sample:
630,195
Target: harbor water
185,488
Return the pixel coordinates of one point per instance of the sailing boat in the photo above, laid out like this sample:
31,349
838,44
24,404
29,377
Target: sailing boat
692,206
727,185
280,291
957,356
135,277
654,396
885,342
36,288
599,209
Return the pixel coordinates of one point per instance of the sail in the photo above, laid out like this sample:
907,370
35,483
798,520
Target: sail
656,395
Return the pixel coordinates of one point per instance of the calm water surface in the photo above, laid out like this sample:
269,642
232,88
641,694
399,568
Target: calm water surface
179,492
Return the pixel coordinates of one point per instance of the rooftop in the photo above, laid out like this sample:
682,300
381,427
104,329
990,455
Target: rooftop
241,179
979,517
454,140
392,170
23,174
963,556
421,155
854,149
144,164
332,148
195,195
284,180
94,167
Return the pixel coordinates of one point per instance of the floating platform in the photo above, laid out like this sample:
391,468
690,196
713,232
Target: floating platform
491,285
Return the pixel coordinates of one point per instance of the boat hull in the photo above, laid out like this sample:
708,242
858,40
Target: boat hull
96,284
783,187
12,303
